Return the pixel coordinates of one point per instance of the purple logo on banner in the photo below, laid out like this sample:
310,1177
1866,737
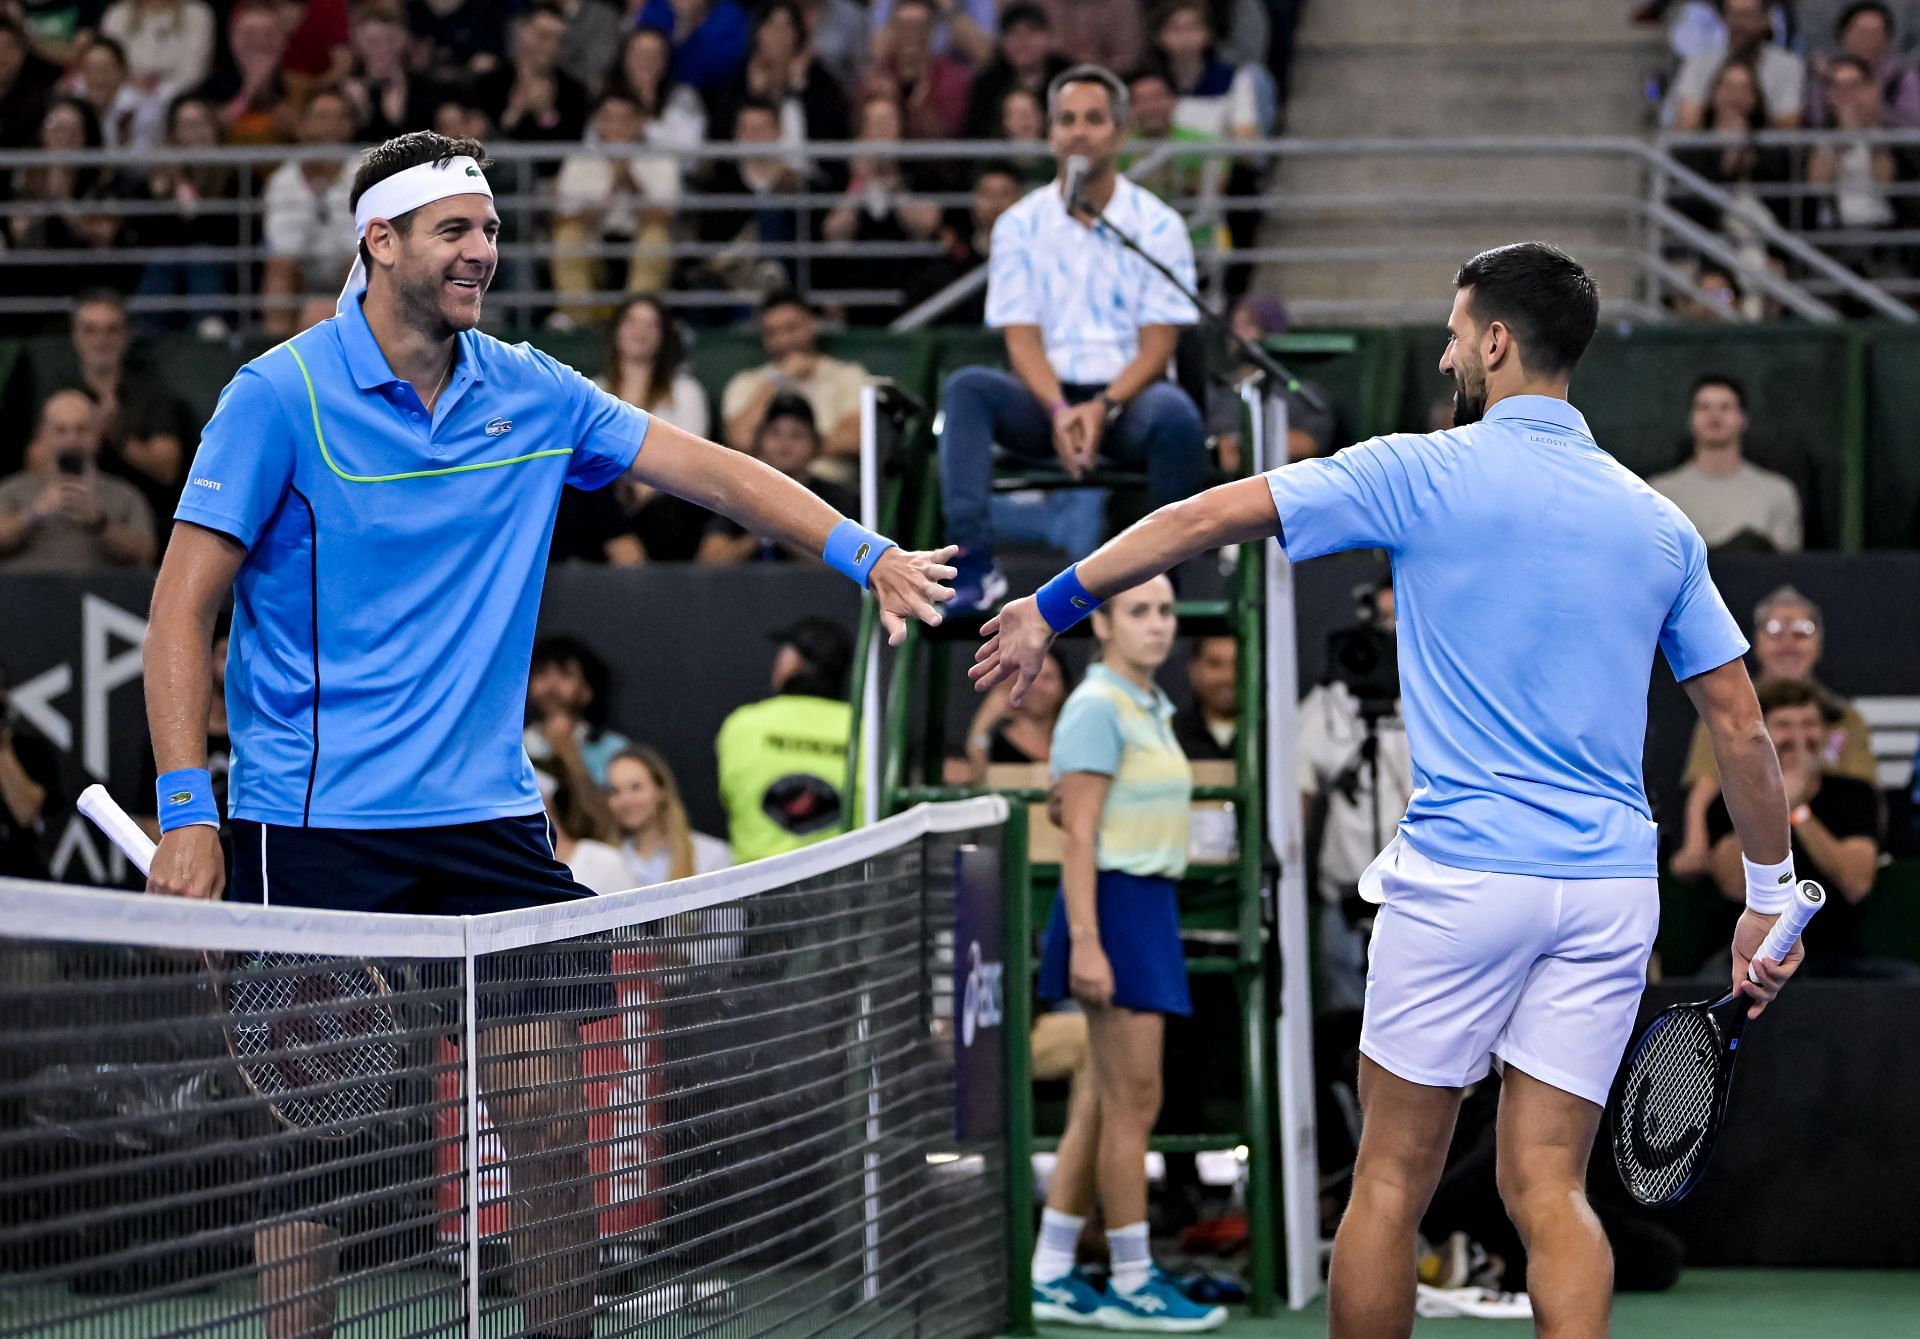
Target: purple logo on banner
979,996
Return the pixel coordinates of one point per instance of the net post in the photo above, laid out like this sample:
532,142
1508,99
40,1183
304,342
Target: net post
470,1075
1018,1003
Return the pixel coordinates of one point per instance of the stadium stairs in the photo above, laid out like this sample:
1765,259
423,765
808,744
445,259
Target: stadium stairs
1451,68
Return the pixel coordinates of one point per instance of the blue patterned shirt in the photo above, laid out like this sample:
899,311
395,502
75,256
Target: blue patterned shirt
1087,293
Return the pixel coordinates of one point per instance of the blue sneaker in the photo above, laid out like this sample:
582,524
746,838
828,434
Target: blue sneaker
1158,1308
978,589
1068,1300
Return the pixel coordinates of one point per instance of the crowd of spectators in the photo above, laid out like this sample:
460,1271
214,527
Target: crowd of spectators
621,95
1746,66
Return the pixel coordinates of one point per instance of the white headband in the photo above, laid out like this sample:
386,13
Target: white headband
404,192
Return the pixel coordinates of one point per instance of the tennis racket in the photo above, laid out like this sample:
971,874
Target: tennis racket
317,1038
1671,1096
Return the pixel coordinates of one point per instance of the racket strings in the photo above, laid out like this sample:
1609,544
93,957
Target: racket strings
1668,1102
313,1037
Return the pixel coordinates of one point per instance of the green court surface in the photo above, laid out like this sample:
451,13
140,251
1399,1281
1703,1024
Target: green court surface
1705,1304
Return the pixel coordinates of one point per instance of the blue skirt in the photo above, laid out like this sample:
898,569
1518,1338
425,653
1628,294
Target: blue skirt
1140,931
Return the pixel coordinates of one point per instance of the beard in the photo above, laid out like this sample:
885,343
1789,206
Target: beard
1469,402
422,304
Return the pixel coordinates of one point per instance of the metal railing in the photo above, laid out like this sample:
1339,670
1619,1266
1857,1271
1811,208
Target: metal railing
1650,225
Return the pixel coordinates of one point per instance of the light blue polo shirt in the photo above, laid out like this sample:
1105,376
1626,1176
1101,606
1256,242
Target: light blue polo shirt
1533,577
384,614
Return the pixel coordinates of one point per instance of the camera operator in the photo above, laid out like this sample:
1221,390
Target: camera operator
1356,775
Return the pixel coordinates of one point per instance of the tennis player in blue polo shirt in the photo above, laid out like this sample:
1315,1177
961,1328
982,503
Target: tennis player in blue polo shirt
378,493
1534,578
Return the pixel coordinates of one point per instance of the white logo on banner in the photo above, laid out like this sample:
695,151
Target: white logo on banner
980,1003
103,670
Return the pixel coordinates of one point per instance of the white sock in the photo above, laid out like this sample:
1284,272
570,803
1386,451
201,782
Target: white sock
1059,1243
1131,1260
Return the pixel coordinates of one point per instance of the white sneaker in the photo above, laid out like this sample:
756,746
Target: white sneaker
1480,1303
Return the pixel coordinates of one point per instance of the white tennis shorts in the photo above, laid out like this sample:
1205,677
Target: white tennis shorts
1465,966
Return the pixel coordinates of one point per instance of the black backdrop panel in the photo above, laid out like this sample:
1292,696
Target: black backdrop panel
686,645
1817,1164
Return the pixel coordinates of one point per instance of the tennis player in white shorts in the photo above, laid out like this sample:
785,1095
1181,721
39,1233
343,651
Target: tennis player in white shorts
1534,580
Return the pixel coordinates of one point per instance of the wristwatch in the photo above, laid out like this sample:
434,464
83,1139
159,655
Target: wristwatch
1799,816
1111,405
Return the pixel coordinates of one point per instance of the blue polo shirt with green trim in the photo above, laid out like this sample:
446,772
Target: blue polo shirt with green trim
384,614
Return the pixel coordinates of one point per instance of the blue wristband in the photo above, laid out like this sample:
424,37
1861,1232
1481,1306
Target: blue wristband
1063,601
852,550
185,797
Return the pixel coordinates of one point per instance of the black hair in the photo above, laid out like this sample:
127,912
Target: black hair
997,167
559,650
1761,115
788,7
101,42
619,77
787,297
1859,7
1542,295
788,404
400,153
1708,267
187,99
1720,379
1025,14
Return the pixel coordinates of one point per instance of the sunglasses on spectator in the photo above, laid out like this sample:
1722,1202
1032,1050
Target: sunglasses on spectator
1790,627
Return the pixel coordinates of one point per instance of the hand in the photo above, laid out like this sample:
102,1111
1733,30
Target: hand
1691,860
908,584
1800,773
557,730
1748,935
1076,435
80,501
189,864
1089,974
1016,645
50,503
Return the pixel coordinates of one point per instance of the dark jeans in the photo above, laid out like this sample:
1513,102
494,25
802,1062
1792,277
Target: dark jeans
1159,428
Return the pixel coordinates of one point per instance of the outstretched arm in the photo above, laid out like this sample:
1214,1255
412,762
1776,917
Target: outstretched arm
766,502
1233,513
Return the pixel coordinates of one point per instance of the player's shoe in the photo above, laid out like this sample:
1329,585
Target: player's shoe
978,589
1068,1300
1157,1308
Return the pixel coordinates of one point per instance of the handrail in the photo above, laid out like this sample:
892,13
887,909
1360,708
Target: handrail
1810,256
1649,219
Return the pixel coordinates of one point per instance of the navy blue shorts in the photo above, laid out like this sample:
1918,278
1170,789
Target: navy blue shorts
1140,931
462,869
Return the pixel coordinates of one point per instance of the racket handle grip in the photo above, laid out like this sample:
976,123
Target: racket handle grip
1808,898
121,830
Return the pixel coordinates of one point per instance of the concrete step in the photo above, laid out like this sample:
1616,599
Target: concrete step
1462,21
1542,88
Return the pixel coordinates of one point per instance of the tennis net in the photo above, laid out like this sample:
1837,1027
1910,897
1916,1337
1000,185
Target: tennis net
759,1102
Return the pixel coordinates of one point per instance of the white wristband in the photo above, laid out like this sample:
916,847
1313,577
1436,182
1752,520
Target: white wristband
1770,887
